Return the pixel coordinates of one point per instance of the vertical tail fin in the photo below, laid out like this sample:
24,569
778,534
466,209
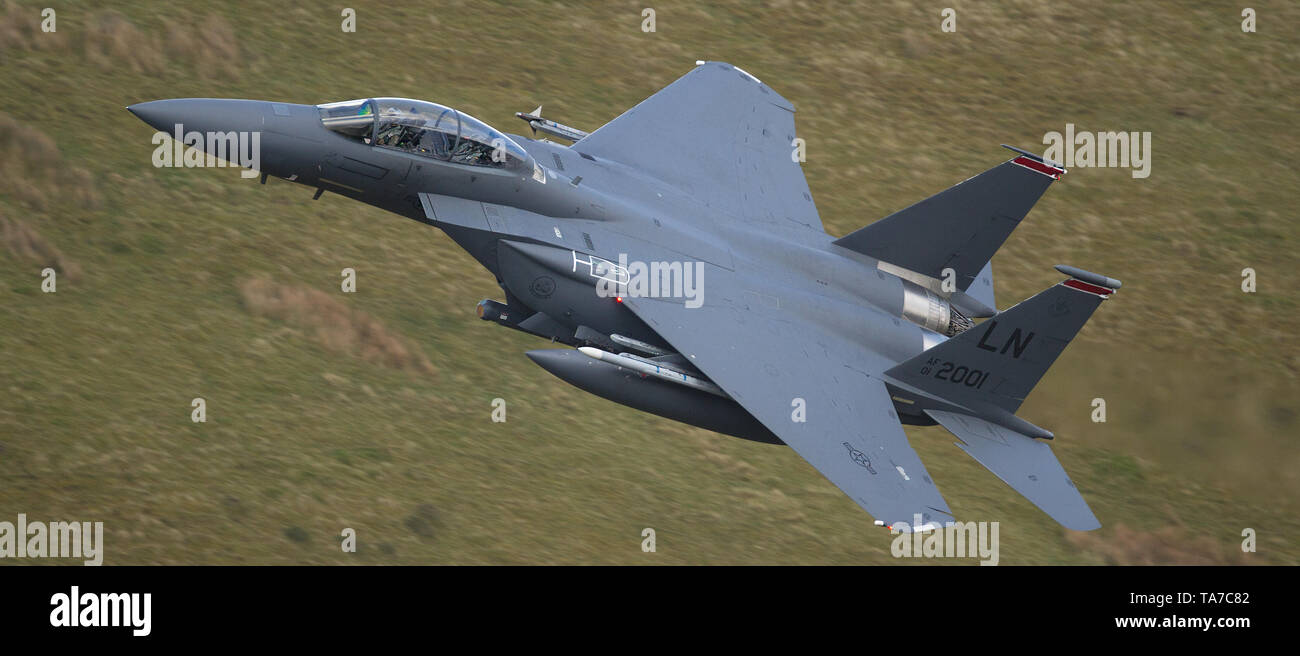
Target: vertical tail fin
1000,360
961,227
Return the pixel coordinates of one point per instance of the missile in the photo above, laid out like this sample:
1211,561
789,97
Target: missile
536,122
652,368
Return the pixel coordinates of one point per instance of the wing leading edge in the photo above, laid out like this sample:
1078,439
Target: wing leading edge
774,364
721,136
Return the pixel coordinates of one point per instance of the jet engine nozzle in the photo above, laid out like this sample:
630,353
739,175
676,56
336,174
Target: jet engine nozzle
931,311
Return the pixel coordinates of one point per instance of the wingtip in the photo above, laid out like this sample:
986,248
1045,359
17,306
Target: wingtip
1034,156
1089,277
1091,525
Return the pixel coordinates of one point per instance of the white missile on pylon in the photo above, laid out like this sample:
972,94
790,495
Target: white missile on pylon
651,368
550,127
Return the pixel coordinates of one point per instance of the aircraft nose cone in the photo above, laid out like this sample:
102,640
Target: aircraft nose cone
201,114
152,113
166,114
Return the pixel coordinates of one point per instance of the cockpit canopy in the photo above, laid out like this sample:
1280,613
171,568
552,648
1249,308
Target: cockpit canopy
426,129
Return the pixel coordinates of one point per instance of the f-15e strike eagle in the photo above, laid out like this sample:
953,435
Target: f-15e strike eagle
764,327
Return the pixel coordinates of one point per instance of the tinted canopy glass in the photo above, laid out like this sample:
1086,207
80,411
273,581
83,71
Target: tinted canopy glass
355,118
432,130
426,129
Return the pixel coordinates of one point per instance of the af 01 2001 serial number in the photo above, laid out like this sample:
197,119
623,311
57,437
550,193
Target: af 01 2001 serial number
955,373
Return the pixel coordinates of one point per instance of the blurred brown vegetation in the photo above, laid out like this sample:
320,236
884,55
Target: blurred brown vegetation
1167,545
336,326
24,242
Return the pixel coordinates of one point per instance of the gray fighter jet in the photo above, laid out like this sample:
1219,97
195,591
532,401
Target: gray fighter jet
679,249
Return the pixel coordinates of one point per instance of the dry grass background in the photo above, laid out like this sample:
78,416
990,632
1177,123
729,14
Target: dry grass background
26,244
1164,546
336,326
200,283
34,173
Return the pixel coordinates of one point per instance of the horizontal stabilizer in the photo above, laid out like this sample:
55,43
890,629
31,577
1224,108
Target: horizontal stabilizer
961,227
1026,464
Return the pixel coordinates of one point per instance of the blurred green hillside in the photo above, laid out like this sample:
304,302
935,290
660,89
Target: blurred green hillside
373,410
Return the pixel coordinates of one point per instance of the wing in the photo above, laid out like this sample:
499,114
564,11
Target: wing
769,359
720,135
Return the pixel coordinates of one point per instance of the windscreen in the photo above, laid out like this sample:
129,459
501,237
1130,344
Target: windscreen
354,118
